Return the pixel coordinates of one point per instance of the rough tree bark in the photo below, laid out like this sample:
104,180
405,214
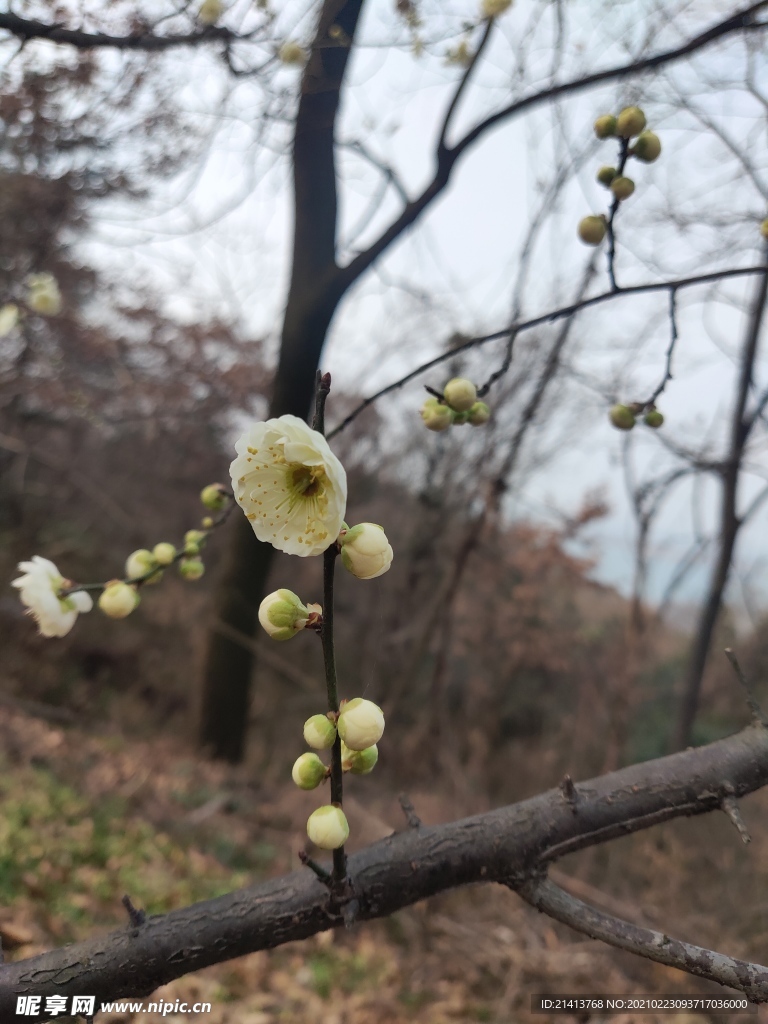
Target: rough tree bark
513,845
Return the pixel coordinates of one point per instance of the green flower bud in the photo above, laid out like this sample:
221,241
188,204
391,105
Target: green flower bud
214,497
319,732
308,771
140,563
207,523
282,614
592,230
359,762
328,827
118,599
606,175
653,418
164,553
622,417
478,414
460,394
605,126
192,542
191,569
630,121
365,551
647,147
436,415
360,724
622,187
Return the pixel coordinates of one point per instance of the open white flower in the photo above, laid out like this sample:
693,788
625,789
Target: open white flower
39,590
290,485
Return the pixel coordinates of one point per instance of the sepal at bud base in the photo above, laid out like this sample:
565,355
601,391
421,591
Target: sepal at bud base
308,771
360,723
359,762
365,551
460,394
282,614
319,732
118,599
436,415
328,827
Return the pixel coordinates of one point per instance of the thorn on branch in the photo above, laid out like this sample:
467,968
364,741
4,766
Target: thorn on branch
411,817
325,876
135,916
570,795
730,807
754,707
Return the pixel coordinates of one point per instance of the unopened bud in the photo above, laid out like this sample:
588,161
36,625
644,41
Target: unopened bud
647,147
592,230
164,553
192,541
118,599
622,187
214,497
308,771
460,394
436,415
360,724
319,732
139,563
359,762
605,126
653,418
210,12
292,53
622,417
43,295
365,551
191,569
606,175
282,614
328,827
630,121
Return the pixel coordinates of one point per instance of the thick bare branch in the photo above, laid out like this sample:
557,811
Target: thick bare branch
512,845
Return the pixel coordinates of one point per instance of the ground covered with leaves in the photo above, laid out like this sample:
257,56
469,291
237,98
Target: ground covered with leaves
86,819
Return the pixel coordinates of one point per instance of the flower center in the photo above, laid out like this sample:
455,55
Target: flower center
305,481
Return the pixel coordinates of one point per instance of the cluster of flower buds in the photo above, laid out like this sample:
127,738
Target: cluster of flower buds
629,124
357,728
458,405
624,417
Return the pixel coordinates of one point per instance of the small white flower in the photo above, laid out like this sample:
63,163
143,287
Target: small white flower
360,724
290,485
283,615
365,551
328,828
39,590
43,295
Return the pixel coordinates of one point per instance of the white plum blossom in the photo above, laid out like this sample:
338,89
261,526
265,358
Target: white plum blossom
290,485
39,589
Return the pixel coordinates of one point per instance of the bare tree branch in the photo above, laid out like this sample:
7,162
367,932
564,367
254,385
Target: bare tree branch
547,318
512,845
550,899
